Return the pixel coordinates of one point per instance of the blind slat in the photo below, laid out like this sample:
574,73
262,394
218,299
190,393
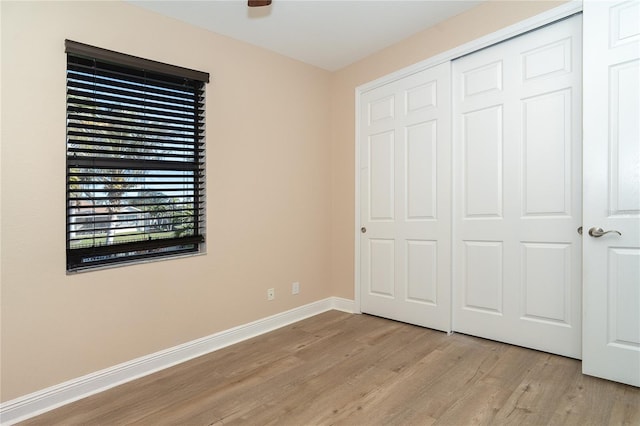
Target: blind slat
89,136
144,92
82,75
133,123
134,113
115,132
78,96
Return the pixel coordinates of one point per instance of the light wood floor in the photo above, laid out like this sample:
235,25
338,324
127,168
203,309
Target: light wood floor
338,368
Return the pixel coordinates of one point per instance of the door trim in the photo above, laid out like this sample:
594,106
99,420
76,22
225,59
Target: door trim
511,31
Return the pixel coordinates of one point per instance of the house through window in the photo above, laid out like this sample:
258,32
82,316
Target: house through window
135,158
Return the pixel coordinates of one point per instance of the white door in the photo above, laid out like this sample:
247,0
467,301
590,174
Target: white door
611,338
517,190
405,210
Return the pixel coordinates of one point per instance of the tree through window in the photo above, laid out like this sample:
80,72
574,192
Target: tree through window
135,158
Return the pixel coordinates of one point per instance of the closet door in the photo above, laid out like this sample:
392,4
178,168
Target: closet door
517,190
612,191
404,148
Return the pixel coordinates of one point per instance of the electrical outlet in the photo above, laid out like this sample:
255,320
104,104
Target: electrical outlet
295,288
271,294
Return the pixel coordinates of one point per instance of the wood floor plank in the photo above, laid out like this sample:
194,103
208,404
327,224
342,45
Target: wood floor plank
593,401
343,369
435,386
537,397
305,378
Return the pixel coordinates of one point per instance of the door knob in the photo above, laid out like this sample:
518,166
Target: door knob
363,230
599,232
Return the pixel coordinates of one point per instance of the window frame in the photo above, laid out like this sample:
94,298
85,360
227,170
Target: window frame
140,144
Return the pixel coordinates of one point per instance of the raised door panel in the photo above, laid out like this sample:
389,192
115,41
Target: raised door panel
382,263
547,154
623,295
422,267
421,97
624,125
546,281
421,171
545,61
483,79
381,177
483,276
482,156
381,110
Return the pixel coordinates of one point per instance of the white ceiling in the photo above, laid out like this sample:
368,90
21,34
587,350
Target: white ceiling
330,34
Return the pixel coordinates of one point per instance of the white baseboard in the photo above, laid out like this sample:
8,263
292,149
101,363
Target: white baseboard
39,402
344,305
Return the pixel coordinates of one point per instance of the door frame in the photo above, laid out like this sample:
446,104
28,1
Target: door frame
511,31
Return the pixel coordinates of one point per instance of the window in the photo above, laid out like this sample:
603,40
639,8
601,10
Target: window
135,158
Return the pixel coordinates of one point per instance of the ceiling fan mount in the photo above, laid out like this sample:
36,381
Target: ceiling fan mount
258,3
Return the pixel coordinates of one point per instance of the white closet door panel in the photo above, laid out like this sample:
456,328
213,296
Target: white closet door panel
404,149
612,191
517,190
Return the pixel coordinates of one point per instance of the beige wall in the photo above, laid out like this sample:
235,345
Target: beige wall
481,20
280,194
268,197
